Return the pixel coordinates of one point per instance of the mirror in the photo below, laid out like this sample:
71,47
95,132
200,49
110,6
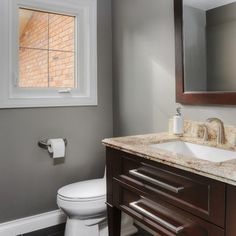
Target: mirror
209,45
206,51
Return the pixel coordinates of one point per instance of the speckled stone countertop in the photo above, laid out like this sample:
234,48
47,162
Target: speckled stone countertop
140,145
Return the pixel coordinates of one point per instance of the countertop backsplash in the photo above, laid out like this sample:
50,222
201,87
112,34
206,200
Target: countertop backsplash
195,129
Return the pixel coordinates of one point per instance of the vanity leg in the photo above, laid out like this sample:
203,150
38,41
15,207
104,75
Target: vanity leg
114,220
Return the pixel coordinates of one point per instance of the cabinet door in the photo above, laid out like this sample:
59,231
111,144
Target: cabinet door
161,217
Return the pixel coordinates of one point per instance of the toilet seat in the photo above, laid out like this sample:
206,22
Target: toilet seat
84,199
91,190
83,209
95,199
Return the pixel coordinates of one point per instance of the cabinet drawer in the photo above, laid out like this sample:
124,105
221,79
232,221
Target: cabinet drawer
201,196
162,217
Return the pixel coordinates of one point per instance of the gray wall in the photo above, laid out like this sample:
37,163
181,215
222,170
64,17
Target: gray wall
221,48
28,177
195,49
144,69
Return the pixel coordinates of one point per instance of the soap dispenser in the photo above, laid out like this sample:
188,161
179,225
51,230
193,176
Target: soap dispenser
178,123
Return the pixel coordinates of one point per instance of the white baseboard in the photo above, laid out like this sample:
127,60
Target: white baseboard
33,223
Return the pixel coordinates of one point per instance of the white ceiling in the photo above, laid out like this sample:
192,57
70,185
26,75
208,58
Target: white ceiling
207,4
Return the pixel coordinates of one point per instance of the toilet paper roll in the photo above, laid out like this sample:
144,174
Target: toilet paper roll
56,147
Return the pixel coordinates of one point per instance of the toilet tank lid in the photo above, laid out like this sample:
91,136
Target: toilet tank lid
84,190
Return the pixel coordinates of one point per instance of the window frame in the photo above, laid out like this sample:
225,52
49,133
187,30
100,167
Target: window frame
12,95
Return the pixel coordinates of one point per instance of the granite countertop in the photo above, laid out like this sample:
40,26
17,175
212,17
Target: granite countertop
140,145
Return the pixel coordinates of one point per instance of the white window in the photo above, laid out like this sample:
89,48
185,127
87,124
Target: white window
49,53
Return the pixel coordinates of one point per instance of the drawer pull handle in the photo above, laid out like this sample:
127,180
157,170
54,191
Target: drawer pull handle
159,183
157,219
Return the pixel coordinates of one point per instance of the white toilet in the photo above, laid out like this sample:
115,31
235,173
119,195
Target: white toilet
84,205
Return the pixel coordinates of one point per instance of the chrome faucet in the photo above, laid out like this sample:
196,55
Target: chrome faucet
220,130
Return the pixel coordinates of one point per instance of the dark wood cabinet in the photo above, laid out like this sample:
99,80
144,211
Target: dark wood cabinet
231,211
168,200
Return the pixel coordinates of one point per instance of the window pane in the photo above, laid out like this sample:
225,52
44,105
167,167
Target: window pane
61,32
33,29
61,69
47,50
33,71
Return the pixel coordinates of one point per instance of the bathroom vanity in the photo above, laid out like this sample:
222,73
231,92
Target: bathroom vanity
170,193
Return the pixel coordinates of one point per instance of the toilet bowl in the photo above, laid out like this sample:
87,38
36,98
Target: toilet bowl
84,205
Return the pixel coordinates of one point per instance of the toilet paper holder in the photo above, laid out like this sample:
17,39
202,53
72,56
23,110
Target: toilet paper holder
44,143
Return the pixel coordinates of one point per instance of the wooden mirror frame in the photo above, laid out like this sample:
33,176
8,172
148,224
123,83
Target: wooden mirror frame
192,98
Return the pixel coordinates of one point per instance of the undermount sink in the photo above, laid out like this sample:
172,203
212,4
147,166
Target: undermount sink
197,151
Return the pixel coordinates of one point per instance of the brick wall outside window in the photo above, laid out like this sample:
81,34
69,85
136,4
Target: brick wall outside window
47,53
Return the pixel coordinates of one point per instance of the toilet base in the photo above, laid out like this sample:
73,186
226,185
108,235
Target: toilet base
76,227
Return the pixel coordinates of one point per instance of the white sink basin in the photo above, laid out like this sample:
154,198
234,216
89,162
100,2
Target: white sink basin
198,151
